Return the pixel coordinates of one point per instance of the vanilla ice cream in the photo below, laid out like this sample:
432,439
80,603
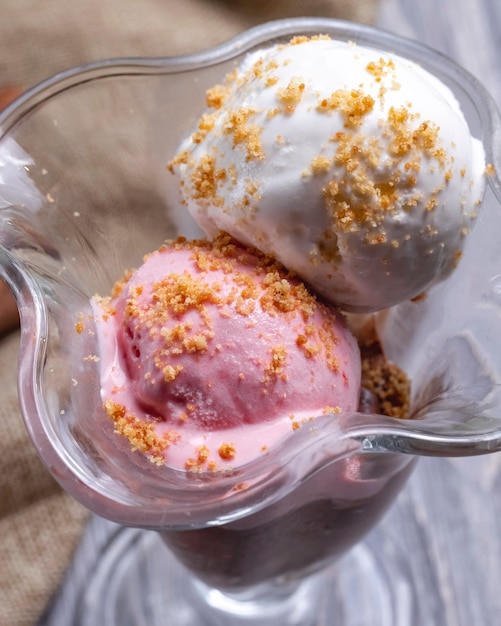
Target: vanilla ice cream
354,168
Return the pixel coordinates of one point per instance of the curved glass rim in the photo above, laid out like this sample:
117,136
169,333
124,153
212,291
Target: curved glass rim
367,433
243,42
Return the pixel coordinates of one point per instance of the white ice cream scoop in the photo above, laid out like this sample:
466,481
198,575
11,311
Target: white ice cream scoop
352,167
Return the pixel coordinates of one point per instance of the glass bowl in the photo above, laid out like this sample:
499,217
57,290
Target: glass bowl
84,194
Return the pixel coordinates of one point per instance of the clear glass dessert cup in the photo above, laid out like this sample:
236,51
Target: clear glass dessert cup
84,195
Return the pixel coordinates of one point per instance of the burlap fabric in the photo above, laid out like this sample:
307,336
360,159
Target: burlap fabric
39,525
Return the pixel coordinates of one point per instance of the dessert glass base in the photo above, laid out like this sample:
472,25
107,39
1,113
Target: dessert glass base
134,580
84,196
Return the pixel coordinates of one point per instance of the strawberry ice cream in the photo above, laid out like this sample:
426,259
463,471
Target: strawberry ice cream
210,353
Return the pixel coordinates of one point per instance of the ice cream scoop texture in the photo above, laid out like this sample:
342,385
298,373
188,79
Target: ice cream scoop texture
352,167
211,352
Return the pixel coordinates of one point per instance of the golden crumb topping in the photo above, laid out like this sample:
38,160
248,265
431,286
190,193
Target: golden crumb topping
201,461
290,96
352,104
332,409
80,324
204,126
380,68
320,165
386,382
227,451
205,179
216,96
141,433
276,366
245,133
299,39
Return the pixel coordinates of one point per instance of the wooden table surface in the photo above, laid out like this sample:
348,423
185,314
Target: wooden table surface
454,505
446,524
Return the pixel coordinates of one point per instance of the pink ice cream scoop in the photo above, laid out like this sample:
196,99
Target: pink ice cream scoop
211,352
